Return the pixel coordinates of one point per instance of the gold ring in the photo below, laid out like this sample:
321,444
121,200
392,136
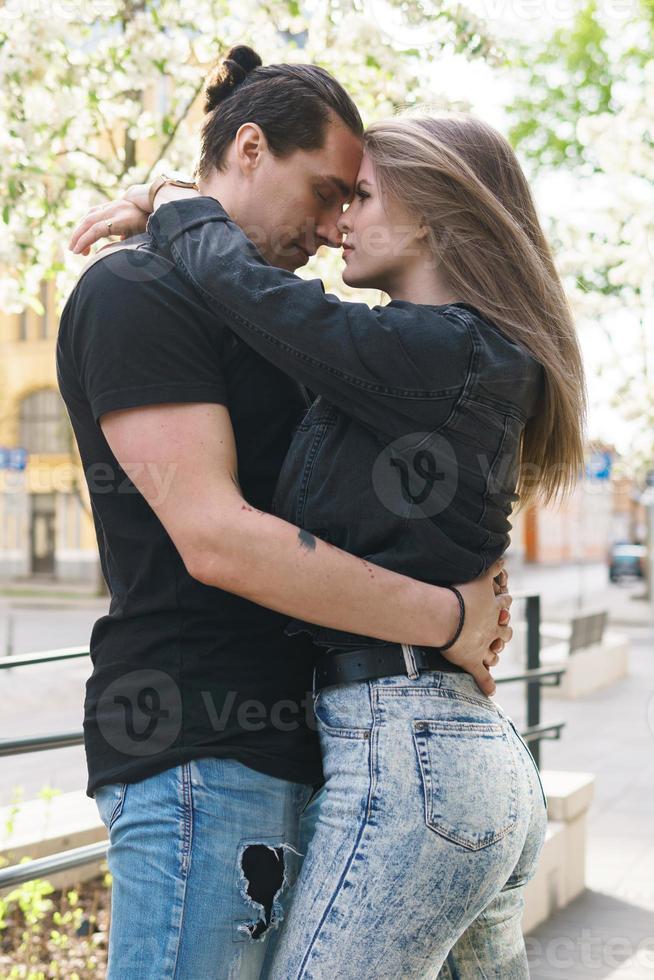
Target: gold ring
109,224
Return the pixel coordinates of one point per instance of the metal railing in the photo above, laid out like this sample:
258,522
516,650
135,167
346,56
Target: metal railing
534,677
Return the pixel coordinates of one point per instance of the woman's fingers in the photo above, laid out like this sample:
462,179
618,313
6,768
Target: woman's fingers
504,601
120,218
505,635
93,234
484,680
90,219
115,218
80,228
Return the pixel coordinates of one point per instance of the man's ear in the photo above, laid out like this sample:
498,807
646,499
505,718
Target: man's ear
250,144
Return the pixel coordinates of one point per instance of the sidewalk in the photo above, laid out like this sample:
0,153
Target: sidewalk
609,931
49,594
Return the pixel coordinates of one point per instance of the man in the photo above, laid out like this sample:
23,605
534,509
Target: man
198,731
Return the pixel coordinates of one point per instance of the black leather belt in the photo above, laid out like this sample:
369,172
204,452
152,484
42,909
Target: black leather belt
347,666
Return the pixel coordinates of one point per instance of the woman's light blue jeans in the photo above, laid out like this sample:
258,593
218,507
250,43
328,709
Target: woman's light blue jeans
418,846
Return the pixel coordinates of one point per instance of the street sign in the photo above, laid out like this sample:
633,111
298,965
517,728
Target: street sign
599,466
13,459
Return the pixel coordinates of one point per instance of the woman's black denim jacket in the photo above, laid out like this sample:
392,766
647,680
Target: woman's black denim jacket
409,455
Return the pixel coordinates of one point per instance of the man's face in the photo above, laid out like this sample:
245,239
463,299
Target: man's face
295,202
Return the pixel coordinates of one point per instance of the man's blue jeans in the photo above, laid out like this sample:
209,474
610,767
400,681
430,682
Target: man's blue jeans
202,857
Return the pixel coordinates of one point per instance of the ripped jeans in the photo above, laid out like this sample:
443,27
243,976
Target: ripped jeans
201,857
420,843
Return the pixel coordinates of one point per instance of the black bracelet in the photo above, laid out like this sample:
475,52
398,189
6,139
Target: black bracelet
462,617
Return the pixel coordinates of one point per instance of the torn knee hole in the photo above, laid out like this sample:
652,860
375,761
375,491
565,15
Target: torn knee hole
263,869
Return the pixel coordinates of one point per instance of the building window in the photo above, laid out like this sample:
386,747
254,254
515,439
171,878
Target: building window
44,424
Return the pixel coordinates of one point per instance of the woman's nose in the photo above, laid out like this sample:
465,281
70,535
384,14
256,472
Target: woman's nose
343,224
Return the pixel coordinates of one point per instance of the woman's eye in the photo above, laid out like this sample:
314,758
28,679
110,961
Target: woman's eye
361,195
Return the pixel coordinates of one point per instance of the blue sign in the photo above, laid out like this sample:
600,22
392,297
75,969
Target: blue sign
13,459
599,466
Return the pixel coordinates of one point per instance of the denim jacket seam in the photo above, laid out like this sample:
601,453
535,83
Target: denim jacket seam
314,452
489,475
510,411
472,374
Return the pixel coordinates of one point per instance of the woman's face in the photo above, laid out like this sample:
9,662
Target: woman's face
381,237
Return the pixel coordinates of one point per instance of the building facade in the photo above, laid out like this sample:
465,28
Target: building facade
46,527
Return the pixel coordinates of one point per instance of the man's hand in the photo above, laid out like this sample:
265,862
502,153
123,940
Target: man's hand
486,630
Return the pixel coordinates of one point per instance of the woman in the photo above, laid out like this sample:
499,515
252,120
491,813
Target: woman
436,411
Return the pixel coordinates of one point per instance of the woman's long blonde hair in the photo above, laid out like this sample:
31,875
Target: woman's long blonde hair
463,180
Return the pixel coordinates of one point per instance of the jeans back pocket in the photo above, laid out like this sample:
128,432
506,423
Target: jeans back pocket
469,779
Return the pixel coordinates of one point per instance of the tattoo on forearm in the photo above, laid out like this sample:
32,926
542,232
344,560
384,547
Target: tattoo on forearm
307,540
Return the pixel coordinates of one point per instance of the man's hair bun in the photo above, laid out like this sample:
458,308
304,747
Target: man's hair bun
232,70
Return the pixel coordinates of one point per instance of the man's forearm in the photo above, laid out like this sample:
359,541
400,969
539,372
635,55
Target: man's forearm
268,561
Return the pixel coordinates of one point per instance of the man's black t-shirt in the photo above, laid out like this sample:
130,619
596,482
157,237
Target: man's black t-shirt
180,670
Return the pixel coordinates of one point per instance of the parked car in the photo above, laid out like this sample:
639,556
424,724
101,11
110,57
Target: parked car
627,560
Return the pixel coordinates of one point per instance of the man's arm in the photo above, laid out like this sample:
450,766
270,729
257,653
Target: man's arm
226,543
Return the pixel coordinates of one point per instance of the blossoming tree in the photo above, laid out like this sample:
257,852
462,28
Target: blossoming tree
98,94
593,151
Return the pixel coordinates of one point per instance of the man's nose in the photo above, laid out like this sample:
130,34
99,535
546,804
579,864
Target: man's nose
330,235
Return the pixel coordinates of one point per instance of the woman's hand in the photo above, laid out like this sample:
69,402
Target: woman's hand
486,630
126,216
121,217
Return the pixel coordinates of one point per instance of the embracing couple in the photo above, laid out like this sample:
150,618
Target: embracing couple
301,506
